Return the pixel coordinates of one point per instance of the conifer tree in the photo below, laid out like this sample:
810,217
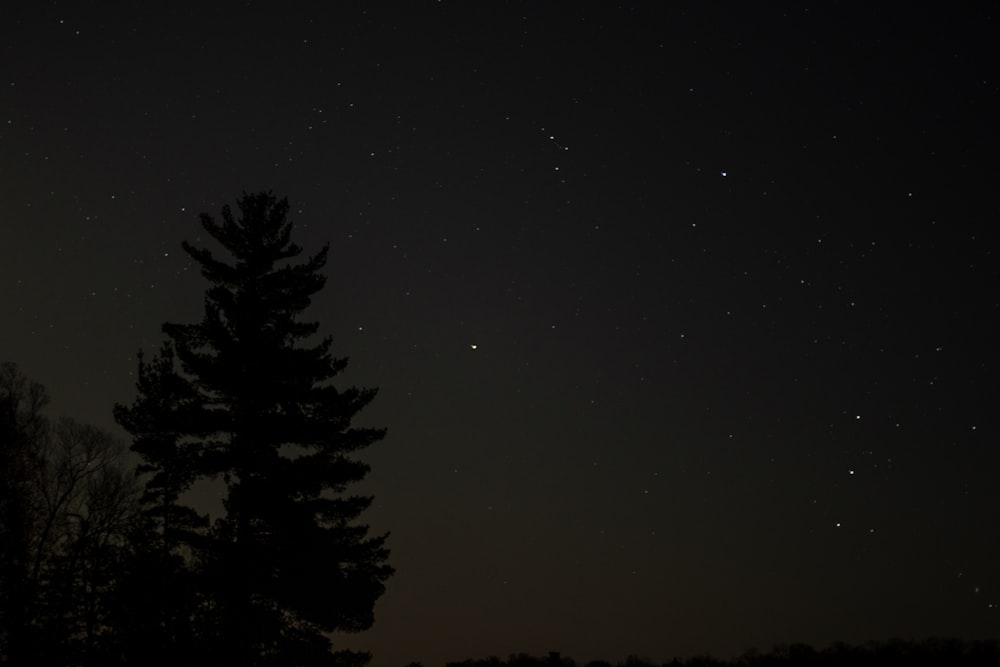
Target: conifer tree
157,598
249,401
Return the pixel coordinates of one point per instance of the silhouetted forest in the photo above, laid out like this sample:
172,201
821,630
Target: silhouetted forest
105,563
881,654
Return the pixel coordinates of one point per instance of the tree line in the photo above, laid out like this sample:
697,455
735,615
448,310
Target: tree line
103,563
943,652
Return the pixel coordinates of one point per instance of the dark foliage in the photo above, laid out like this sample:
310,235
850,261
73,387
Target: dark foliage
21,429
242,398
67,510
892,653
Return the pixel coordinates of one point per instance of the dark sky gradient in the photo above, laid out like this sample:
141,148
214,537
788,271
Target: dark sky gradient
682,313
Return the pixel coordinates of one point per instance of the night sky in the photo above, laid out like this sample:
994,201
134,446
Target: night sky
682,314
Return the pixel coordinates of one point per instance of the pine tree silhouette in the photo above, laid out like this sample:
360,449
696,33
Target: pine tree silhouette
249,402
